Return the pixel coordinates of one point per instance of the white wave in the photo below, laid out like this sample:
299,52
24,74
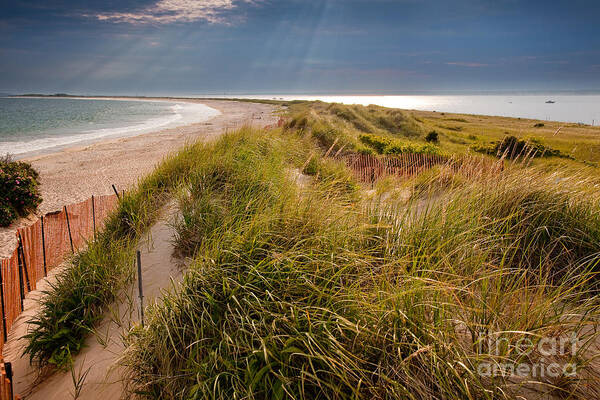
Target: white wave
183,114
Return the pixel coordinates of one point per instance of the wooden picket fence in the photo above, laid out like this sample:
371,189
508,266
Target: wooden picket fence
6,388
370,168
280,123
41,247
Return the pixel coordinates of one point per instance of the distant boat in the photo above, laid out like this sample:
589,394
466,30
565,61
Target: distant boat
550,102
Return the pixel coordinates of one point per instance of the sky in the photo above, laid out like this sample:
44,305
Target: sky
193,47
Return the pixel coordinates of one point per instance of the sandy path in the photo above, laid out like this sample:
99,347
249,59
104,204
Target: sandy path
74,174
95,364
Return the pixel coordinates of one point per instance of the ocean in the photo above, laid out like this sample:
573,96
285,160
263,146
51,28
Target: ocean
36,125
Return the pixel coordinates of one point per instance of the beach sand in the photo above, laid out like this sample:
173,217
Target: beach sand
77,173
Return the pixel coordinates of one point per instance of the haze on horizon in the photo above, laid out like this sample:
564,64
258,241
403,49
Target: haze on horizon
162,47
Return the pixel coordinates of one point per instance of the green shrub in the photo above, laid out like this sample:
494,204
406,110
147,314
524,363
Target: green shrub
376,142
432,137
383,145
512,147
19,193
411,148
311,168
7,214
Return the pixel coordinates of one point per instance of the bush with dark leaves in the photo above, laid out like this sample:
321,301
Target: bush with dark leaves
19,193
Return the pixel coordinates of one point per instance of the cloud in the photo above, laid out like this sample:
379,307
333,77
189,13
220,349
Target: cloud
173,11
467,64
557,62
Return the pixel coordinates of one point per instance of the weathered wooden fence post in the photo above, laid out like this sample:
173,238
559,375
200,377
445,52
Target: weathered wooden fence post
116,192
19,267
69,229
140,286
9,375
94,216
24,264
2,303
44,247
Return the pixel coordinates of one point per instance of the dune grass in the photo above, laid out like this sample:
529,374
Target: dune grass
306,292
77,300
575,146
326,290
357,128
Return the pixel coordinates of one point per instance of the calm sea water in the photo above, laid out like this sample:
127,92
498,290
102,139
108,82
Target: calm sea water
566,108
33,125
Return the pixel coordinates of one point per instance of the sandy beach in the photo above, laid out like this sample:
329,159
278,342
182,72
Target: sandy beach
74,174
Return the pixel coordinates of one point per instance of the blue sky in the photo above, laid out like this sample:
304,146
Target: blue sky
187,47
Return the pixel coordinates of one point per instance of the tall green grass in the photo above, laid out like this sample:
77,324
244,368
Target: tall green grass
307,292
350,125
93,278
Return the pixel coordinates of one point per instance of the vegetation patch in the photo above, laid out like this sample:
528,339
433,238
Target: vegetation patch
383,145
372,119
512,147
19,192
343,124
432,137
333,174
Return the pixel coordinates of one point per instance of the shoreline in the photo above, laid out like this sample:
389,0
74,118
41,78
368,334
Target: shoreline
77,172
189,112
